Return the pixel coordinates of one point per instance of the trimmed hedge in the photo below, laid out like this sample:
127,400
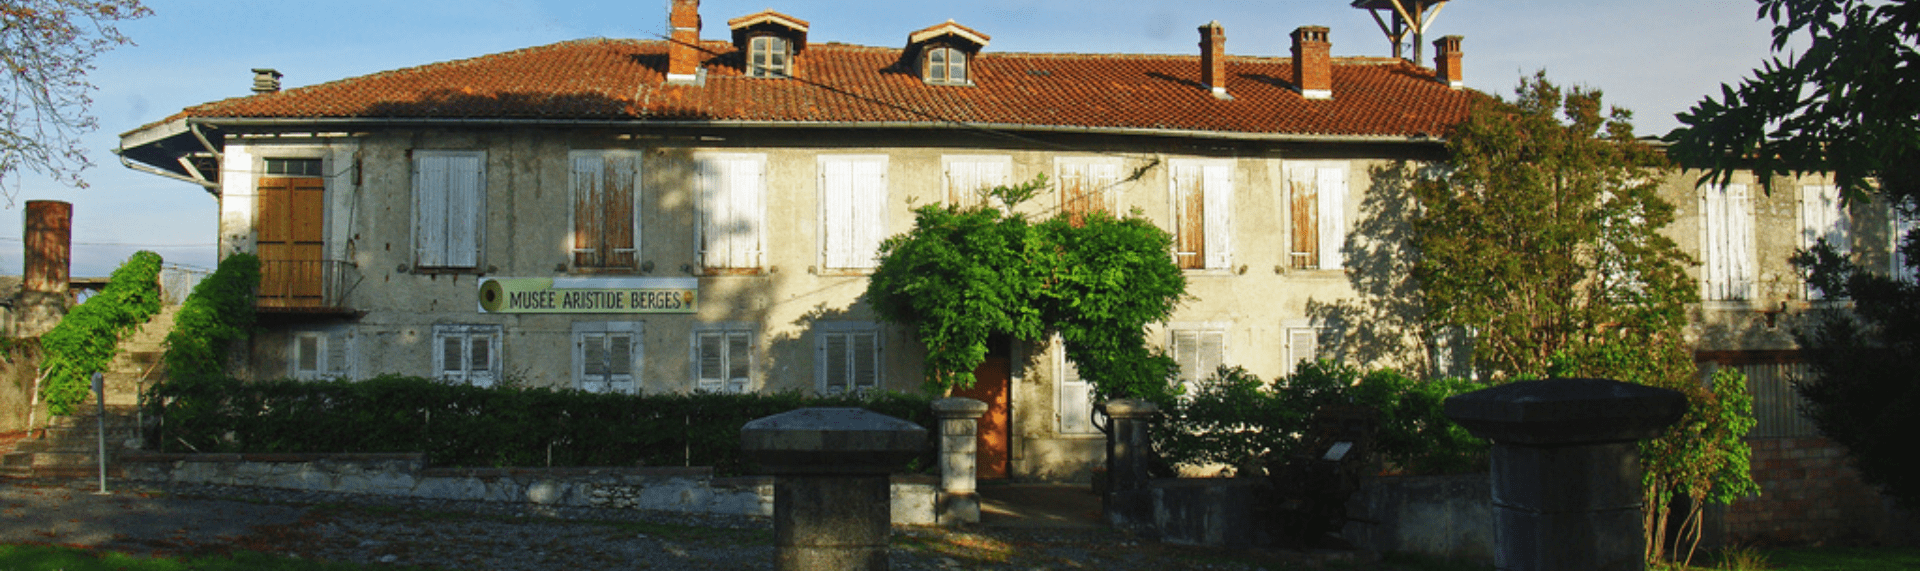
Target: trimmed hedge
460,425
86,339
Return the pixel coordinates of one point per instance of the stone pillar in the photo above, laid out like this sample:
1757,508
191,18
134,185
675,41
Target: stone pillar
832,503
1566,469
45,264
959,445
1128,504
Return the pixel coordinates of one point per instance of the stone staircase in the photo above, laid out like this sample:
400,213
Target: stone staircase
69,446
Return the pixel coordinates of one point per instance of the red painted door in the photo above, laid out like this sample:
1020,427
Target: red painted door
991,381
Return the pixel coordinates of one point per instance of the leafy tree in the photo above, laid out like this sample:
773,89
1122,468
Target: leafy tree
1544,238
1846,105
965,274
48,48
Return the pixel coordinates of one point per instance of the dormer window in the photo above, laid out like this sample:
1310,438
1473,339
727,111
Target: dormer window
943,53
944,65
771,43
769,56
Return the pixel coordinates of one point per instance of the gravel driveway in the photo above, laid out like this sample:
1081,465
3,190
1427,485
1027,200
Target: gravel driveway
199,520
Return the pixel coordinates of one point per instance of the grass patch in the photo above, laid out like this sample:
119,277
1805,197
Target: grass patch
63,558
1844,559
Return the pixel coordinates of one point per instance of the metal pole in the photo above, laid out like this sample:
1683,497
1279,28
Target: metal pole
100,401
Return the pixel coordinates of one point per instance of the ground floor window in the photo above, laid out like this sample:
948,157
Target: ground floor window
320,354
1075,397
1199,348
467,354
846,357
1303,346
723,358
607,356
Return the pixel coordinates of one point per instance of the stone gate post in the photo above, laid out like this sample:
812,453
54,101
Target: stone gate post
831,496
959,501
1566,468
1128,504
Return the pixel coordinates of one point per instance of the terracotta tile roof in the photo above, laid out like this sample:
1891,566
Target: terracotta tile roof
604,79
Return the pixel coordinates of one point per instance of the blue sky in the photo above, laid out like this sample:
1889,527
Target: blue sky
1656,57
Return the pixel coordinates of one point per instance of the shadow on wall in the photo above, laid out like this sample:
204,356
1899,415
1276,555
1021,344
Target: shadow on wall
1381,325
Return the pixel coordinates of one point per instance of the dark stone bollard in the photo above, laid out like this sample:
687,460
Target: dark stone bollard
959,501
832,502
1566,470
1128,504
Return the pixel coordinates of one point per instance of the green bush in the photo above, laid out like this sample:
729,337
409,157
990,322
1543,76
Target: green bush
1234,417
86,339
460,425
218,312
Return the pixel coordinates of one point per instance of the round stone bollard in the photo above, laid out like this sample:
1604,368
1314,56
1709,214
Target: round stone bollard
832,503
959,448
1566,469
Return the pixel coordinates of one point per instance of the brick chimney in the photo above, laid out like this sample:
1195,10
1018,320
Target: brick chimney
1213,59
683,51
1313,62
1446,61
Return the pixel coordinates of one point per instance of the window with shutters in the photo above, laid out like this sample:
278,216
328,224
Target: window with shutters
1824,217
449,214
321,354
769,56
1202,214
847,357
1303,346
731,202
1317,202
290,232
723,358
607,356
467,354
606,200
1726,238
1199,349
968,178
1087,185
1903,224
1453,352
1074,396
853,211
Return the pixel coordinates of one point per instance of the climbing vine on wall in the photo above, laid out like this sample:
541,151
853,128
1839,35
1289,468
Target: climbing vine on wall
965,274
85,340
218,312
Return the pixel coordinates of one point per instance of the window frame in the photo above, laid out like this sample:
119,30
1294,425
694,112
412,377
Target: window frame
955,168
1293,352
1071,391
763,46
467,332
1727,276
1224,333
437,245
1106,180
743,255
608,165
852,217
1824,214
942,73
822,363
1213,181
333,358
606,330
1328,222
728,332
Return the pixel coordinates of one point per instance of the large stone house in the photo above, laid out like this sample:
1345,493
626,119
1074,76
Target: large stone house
696,214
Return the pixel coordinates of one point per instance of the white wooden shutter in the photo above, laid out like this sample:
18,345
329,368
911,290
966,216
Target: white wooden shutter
1199,353
450,208
739,361
723,361
1727,238
339,361
1822,216
731,188
848,360
589,221
1190,209
969,180
1303,346
1902,225
1218,184
430,210
1332,188
1075,398
853,210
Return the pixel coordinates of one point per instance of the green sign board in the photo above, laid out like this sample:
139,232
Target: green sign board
589,295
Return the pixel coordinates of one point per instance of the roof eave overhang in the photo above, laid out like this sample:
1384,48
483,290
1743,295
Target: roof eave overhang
351,124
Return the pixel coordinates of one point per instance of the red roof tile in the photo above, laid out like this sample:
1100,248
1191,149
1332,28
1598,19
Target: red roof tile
603,79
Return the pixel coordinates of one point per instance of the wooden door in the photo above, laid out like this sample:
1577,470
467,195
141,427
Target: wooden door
291,211
991,383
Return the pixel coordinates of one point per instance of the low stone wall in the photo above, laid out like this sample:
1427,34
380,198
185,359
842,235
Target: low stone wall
688,490
1810,494
1205,511
1447,516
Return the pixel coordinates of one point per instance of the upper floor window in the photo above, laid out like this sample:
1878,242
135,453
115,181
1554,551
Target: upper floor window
853,211
605,199
732,187
769,56
1726,243
969,178
1317,199
1903,224
1087,186
1202,214
944,64
449,191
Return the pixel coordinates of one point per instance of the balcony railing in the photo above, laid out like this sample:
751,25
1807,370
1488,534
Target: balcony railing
297,286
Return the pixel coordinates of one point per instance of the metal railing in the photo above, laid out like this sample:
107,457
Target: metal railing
304,285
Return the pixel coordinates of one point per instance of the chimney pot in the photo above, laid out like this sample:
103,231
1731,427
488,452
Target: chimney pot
1213,59
266,80
1313,62
1446,61
683,46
